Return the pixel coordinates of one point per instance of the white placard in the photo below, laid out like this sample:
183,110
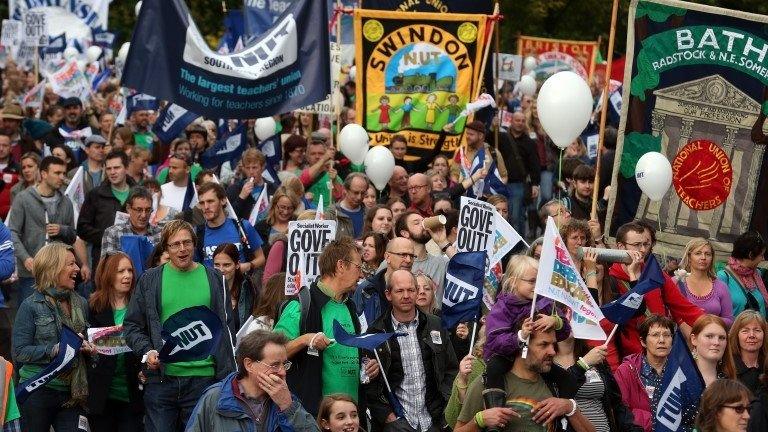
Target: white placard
477,226
306,240
36,28
11,33
510,66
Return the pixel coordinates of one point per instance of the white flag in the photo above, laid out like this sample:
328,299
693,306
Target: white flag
260,210
76,192
320,212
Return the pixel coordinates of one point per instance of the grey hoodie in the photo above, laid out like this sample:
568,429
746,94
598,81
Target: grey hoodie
27,224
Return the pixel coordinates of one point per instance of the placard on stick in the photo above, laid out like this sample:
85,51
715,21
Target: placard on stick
477,226
11,33
36,28
306,240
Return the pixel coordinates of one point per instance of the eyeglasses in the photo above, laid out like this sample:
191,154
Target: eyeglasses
141,210
738,408
284,366
359,266
404,255
417,187
660,335
175,246
285,208
644,245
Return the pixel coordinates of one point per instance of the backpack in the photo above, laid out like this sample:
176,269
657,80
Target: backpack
304,301
200,232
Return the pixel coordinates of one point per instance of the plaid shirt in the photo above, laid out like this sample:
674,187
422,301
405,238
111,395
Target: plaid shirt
110,242
410,392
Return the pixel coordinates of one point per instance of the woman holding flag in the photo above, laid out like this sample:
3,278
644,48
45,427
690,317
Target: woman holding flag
50,322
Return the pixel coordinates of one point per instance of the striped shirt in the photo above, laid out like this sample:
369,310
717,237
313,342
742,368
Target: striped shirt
589,398
410,392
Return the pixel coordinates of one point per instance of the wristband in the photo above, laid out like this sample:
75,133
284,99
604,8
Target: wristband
312,341
445,248
583,363
521,341
575,407
461,387
559,324
479,420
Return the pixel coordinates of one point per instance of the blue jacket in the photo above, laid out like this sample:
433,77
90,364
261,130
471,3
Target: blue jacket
7,259
219,410
369,298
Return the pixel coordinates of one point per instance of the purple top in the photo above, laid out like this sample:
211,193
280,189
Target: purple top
716,302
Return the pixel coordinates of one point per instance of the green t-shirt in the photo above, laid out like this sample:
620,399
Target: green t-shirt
118,388
194,170
181,290
522,395
11,407
144,140
121,195
322,187
341,364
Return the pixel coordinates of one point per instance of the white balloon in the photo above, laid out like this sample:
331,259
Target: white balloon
379,165
565,107
93,53
264,128
70,53
353,143
531,73
82,64
653,173
530,63
527,85
352,73
122,54
137,9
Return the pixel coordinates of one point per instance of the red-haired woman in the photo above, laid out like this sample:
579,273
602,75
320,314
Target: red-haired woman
114,399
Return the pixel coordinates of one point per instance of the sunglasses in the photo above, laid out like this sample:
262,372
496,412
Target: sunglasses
738,408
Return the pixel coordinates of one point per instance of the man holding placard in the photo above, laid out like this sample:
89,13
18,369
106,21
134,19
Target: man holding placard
323,367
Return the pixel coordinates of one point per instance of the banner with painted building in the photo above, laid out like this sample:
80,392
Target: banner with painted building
418,71
696,90
556,55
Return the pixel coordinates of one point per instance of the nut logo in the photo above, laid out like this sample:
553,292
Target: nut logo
373,30
702,175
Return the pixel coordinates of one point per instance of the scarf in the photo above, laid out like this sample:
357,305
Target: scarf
76,376
749,278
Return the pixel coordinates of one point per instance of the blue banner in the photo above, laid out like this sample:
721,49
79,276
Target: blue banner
680,390
172,121
234,29
273,151
190,334
368,342
260,15
493,184
285,68
138,248
227,149
69,349
463,293
141,102
625,307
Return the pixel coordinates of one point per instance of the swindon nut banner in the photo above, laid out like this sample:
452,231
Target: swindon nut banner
698,83
418,70
555,55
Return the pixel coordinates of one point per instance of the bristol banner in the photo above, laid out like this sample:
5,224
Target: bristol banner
555,55
285,68
417,72
696,90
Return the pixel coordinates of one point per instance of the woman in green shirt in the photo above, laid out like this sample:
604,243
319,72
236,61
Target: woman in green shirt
114,399
471,367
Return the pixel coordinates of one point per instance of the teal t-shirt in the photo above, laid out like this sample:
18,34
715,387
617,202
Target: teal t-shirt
144,140
341,364
118,388
181,290
121,195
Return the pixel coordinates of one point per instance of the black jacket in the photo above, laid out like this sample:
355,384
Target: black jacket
521,158
440,367
421,165
97,214
101,372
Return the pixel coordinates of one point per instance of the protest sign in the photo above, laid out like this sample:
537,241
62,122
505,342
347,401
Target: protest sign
477,226
559,280
555,55
306,239
415,74
694,90
11,33
108,340
510,66
35,28
285,68
69,81
25,56
327,106
75,17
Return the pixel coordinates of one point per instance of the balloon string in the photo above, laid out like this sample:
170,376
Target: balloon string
663,249
560,177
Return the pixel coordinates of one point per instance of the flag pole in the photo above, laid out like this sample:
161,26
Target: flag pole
496,45
383,374
487,48
472,339
604,111
610,336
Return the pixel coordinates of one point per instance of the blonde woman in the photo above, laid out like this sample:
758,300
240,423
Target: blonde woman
36,334
700,285
425,296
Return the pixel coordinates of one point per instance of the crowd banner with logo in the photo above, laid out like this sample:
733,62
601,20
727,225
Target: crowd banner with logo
306,239
75,17
69,81
108,340
680,388
555,55
559,280
69,348
190,334
463,294
696,90
285,68
418,71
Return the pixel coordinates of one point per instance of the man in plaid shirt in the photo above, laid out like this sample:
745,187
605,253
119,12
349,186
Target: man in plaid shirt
420,366
139,208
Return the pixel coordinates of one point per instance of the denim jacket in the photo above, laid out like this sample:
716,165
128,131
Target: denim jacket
36,330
